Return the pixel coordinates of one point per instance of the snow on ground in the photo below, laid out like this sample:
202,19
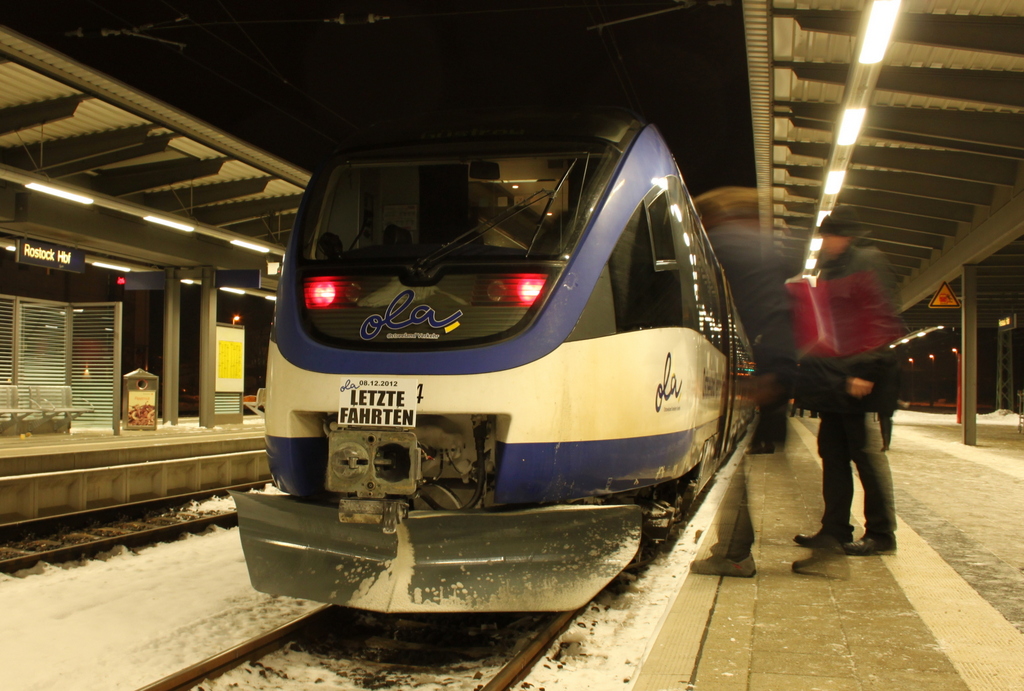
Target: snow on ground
131,619
128,620
912,417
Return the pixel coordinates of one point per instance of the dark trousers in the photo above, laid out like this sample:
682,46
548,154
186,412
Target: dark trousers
735,528
885,423
771,427
842,439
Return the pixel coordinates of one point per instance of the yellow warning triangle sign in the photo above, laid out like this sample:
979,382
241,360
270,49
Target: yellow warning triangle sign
945,297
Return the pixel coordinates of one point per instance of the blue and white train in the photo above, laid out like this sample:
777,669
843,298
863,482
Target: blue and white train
503,352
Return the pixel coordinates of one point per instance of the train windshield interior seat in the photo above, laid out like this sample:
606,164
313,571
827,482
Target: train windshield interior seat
513,206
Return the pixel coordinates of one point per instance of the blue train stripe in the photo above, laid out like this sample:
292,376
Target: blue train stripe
527,473
298,464
647,158
559,471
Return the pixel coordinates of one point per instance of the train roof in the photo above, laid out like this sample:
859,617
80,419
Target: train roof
606,126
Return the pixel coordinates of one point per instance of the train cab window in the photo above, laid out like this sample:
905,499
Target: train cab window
646,292
664,250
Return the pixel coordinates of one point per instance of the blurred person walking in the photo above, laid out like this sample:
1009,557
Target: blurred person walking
849,373
757,279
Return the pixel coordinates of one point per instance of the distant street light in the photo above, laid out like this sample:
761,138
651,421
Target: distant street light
959,389
911,361
931,383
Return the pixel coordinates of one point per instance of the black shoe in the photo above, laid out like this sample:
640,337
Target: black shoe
723,566
817,541
869,546
760,448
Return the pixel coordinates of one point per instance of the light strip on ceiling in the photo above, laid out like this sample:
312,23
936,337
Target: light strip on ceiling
169,223
113,267
56,192
853,118
880,24
834,181
37,183
237,291
250,246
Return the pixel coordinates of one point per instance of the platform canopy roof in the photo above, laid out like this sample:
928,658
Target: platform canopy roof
937,172
69,127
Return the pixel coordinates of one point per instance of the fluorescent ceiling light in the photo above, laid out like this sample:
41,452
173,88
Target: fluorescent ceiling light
815,244
115,267
880,23
271,297
11,248
834,182
237,291
169,224
853,118
187,281
250,246
822,215
811,263
59,193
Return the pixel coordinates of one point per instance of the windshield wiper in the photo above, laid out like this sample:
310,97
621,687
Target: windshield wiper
547,207
424,263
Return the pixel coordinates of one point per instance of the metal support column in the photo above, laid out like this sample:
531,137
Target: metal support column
969,350
208,350
1004,370
172,346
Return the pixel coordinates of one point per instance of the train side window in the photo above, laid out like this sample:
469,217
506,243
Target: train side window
644,297
706,284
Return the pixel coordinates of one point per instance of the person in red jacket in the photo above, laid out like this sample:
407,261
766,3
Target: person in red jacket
851,375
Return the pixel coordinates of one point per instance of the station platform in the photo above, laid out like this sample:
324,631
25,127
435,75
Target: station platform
945,612
98,447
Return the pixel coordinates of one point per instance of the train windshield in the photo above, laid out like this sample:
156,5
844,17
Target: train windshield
444,245
432,210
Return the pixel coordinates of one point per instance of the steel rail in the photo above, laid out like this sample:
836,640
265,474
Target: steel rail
252,649
516,669
138,538
78,521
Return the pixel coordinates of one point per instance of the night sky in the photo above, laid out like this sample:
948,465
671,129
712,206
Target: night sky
280,77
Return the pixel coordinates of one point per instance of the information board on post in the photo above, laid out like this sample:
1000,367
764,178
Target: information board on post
384,402
230,359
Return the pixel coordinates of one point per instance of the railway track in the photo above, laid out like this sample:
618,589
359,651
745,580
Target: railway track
516,641
83,534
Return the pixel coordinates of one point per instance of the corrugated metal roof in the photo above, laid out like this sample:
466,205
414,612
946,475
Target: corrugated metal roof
65,122
940,157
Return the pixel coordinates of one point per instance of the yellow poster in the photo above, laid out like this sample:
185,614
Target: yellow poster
229,360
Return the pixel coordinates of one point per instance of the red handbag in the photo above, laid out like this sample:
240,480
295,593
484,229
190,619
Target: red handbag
843,316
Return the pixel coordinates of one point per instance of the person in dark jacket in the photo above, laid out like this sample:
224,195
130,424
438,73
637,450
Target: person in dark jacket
757,279
858,376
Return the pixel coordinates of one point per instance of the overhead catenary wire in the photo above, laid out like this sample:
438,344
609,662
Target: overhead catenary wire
249,92
618,64
273,71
